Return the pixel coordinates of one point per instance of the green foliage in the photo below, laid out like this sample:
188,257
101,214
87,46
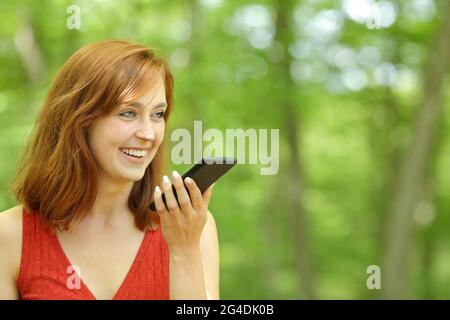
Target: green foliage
351,137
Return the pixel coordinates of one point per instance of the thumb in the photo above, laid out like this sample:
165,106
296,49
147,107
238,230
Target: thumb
207,194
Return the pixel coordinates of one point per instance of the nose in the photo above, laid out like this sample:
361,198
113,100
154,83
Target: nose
146,133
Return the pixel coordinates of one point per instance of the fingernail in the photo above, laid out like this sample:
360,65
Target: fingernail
175,175
166,180
157,189
188,180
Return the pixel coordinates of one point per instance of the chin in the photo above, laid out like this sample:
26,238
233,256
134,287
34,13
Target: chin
132,176
137,177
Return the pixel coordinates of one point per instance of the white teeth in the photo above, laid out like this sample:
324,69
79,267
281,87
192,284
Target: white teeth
136,153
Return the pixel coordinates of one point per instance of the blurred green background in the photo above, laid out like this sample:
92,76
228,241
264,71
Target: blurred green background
359,90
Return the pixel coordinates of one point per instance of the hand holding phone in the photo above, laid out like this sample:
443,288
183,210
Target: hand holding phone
204,173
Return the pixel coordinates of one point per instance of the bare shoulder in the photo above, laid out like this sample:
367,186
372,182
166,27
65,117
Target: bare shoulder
210,226
11,236
209,237
209,247
11,223
211,218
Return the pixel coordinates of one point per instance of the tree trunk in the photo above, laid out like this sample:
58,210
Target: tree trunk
413,169
268,227
291,126
194,47
29,50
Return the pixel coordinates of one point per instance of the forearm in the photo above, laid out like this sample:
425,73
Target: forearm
186,275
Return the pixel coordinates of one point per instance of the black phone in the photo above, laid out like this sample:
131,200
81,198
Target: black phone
204,173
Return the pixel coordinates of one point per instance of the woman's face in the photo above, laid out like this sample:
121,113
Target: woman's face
139,125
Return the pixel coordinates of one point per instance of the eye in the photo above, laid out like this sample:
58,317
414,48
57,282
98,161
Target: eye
160,114
128,112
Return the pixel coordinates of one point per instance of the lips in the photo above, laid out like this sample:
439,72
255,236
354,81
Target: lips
133,159
138,153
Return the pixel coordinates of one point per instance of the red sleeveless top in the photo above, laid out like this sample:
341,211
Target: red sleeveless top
45,271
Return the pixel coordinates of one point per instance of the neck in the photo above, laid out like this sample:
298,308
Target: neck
111,203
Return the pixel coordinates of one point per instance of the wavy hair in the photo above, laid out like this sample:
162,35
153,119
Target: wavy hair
57,175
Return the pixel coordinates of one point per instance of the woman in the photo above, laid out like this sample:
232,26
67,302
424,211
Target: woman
83,229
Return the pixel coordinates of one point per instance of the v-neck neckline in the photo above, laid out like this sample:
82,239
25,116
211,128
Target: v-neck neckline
130,270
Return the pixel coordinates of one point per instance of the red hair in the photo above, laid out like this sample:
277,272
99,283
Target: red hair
57,175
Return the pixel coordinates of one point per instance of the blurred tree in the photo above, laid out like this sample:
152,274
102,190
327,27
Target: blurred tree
413,169
294,169
342,92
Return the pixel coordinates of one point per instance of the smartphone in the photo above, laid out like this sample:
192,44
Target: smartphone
204,173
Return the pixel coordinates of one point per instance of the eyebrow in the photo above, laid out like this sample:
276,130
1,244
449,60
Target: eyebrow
140,105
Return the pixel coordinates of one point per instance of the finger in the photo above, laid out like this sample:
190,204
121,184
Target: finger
194,192
207,194
159,204
172,204
182,193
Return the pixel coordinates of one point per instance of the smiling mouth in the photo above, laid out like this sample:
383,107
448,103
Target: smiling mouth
134,153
